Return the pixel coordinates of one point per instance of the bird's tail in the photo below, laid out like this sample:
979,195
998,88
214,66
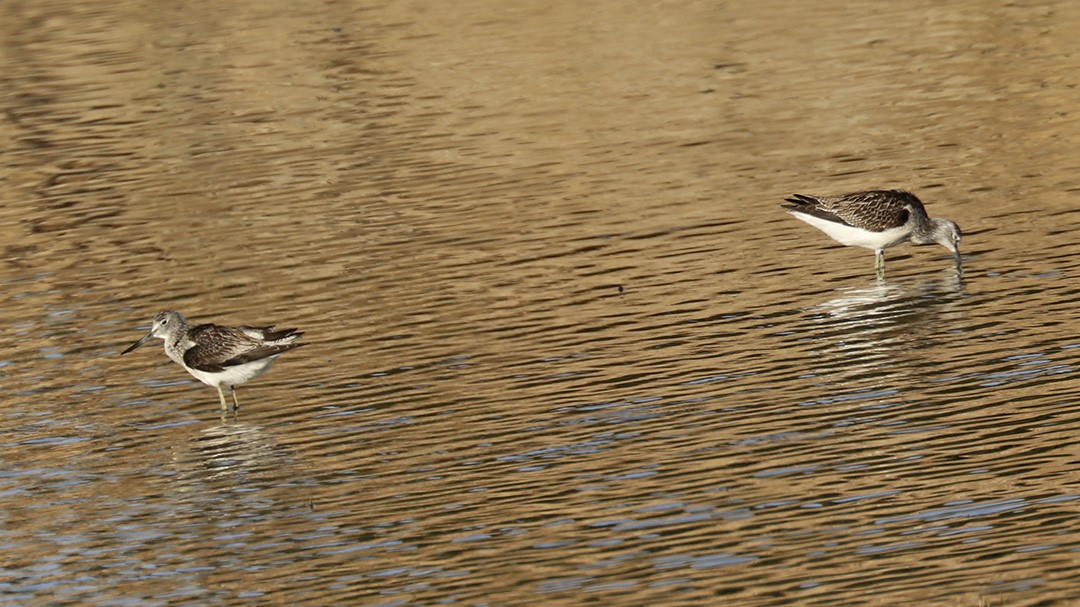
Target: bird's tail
802,200
273,336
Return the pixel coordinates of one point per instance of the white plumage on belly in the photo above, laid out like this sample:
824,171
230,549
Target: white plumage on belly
856,237
233,376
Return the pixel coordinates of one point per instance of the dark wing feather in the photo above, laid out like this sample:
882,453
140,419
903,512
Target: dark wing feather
810,205
215,346
269,334
259,353
874,210
218,348
283,333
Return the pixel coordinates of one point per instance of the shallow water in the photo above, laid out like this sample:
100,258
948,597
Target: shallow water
564,346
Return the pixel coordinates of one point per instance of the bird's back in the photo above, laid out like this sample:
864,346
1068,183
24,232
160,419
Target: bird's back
214,348
873,210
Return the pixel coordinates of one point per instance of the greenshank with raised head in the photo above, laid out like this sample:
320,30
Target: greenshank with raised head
219,356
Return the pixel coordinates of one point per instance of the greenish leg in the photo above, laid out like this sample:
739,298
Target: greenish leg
224,405
236,403
879,264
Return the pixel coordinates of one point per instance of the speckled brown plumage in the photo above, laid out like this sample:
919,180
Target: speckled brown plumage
874,210
219,356
876,220
218,347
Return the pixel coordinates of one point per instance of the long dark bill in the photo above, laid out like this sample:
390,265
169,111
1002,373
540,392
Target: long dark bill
138,343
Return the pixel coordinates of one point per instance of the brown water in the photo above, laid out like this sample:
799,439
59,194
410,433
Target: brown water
565,348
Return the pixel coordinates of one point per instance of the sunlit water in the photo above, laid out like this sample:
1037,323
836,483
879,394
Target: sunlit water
565,347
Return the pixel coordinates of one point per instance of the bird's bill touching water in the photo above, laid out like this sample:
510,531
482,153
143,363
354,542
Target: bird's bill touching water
953,243
142,341
948,235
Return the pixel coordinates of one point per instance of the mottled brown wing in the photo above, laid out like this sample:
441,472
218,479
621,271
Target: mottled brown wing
812,205
259,353
216,348
874,210
268,333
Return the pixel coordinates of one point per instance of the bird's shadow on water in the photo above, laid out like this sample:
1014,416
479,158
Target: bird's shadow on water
887,314
874,302
239,443
234,470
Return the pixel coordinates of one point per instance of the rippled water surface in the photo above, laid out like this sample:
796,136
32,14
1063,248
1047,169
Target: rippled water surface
564,346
